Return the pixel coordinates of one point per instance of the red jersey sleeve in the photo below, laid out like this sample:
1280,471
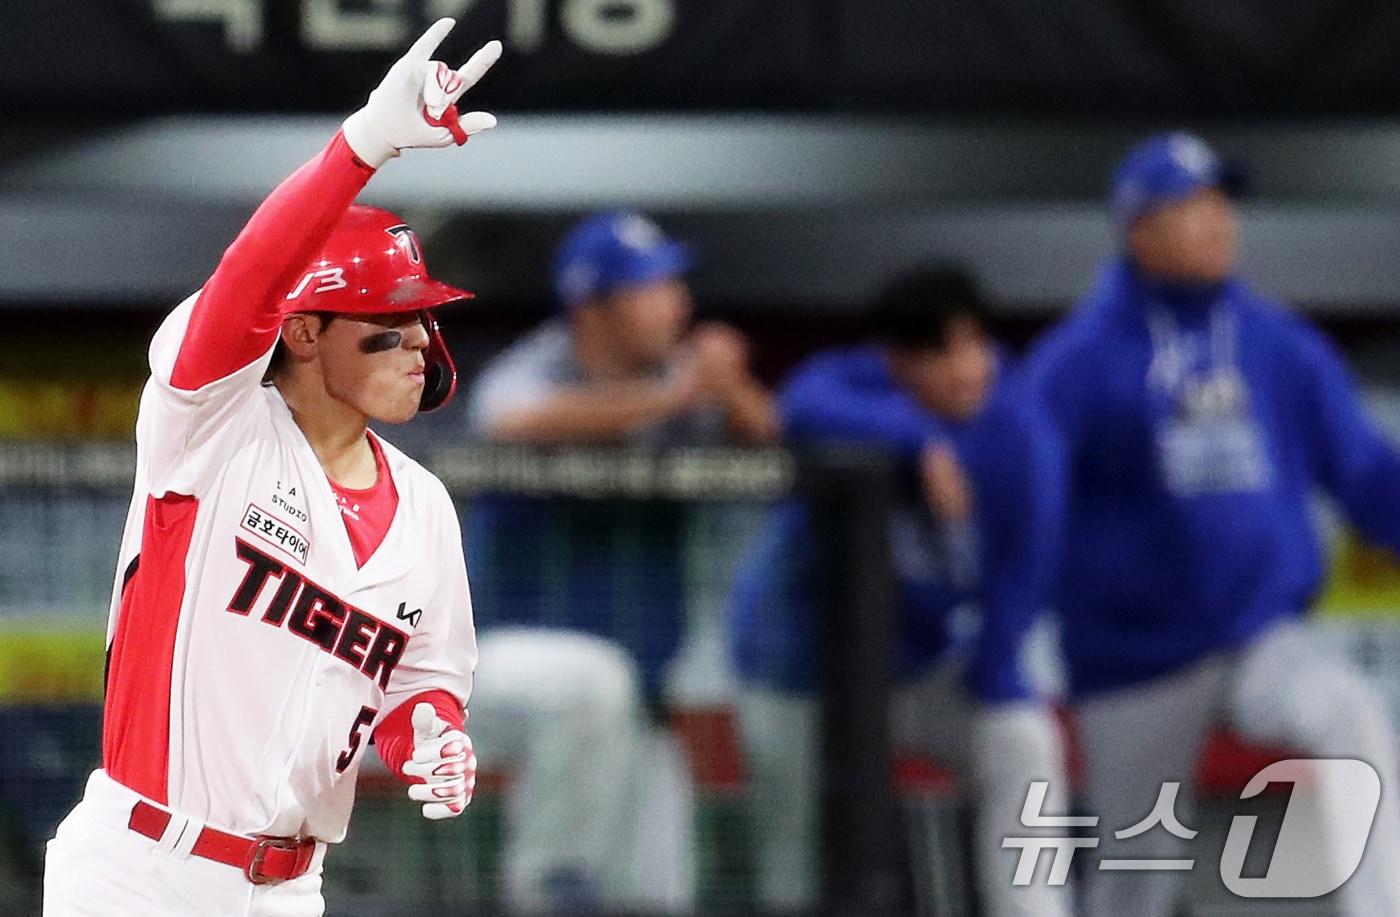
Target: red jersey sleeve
237,315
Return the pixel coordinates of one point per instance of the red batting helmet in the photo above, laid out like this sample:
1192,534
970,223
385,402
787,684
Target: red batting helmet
372,263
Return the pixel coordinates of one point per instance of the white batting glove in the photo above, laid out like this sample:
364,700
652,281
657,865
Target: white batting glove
444,760
415,105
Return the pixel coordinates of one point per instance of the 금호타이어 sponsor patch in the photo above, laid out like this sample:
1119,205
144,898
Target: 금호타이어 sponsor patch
276,532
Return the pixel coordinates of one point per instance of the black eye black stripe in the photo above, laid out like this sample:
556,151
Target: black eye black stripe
384,340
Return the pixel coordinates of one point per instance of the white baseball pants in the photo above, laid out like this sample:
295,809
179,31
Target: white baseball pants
596,798
96,866
999,749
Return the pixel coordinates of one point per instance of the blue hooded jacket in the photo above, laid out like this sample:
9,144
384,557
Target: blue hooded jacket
1197,423
999,566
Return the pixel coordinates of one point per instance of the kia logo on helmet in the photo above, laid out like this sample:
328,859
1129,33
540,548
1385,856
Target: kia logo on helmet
406,240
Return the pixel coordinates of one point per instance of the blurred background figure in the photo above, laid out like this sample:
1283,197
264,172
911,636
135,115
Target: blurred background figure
586,597
623,365
974,544
1199,417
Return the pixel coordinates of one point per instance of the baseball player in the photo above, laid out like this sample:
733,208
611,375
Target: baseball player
589,596
290,585
1198,419
976,533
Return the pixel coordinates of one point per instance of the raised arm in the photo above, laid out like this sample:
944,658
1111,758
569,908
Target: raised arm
239,311
235,319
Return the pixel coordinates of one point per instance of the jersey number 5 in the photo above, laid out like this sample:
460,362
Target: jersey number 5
365,717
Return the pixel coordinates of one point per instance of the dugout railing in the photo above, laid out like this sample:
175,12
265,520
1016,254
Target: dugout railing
61,511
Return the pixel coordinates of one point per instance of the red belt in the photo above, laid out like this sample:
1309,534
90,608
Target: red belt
264,860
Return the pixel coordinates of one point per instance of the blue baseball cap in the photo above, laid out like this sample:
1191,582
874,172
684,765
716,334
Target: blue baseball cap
1166,168
612,251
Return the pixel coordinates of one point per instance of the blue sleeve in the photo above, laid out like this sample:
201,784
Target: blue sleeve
832,398
1020,492
1353,459
774,613
1058,374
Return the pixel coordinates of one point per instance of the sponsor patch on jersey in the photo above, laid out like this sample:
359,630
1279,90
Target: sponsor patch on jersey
276,532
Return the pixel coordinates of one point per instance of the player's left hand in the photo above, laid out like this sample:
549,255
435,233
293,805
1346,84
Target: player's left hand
444,760
416,104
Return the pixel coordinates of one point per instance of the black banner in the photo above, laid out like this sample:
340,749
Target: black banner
306,55
1147,59
1150,58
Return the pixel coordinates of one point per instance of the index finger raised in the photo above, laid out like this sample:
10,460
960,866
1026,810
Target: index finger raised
428,42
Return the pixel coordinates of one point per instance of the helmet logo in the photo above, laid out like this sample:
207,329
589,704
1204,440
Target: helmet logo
327,279
407,241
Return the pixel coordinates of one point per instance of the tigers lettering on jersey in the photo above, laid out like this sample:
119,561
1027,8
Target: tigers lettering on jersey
314,614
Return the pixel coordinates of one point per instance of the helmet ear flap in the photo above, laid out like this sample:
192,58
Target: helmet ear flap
439,373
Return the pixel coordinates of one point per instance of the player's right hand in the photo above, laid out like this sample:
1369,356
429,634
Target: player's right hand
444,760
415,105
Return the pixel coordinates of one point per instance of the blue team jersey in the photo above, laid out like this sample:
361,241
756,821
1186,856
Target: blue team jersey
997,568
1196,424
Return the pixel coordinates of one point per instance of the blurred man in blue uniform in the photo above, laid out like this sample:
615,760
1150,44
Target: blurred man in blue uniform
974,545
1198,418
583,603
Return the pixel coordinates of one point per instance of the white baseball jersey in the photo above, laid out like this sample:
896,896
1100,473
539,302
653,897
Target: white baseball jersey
250,657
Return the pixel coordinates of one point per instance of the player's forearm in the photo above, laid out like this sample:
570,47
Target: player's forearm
887,420
595,415
394,736
239,311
